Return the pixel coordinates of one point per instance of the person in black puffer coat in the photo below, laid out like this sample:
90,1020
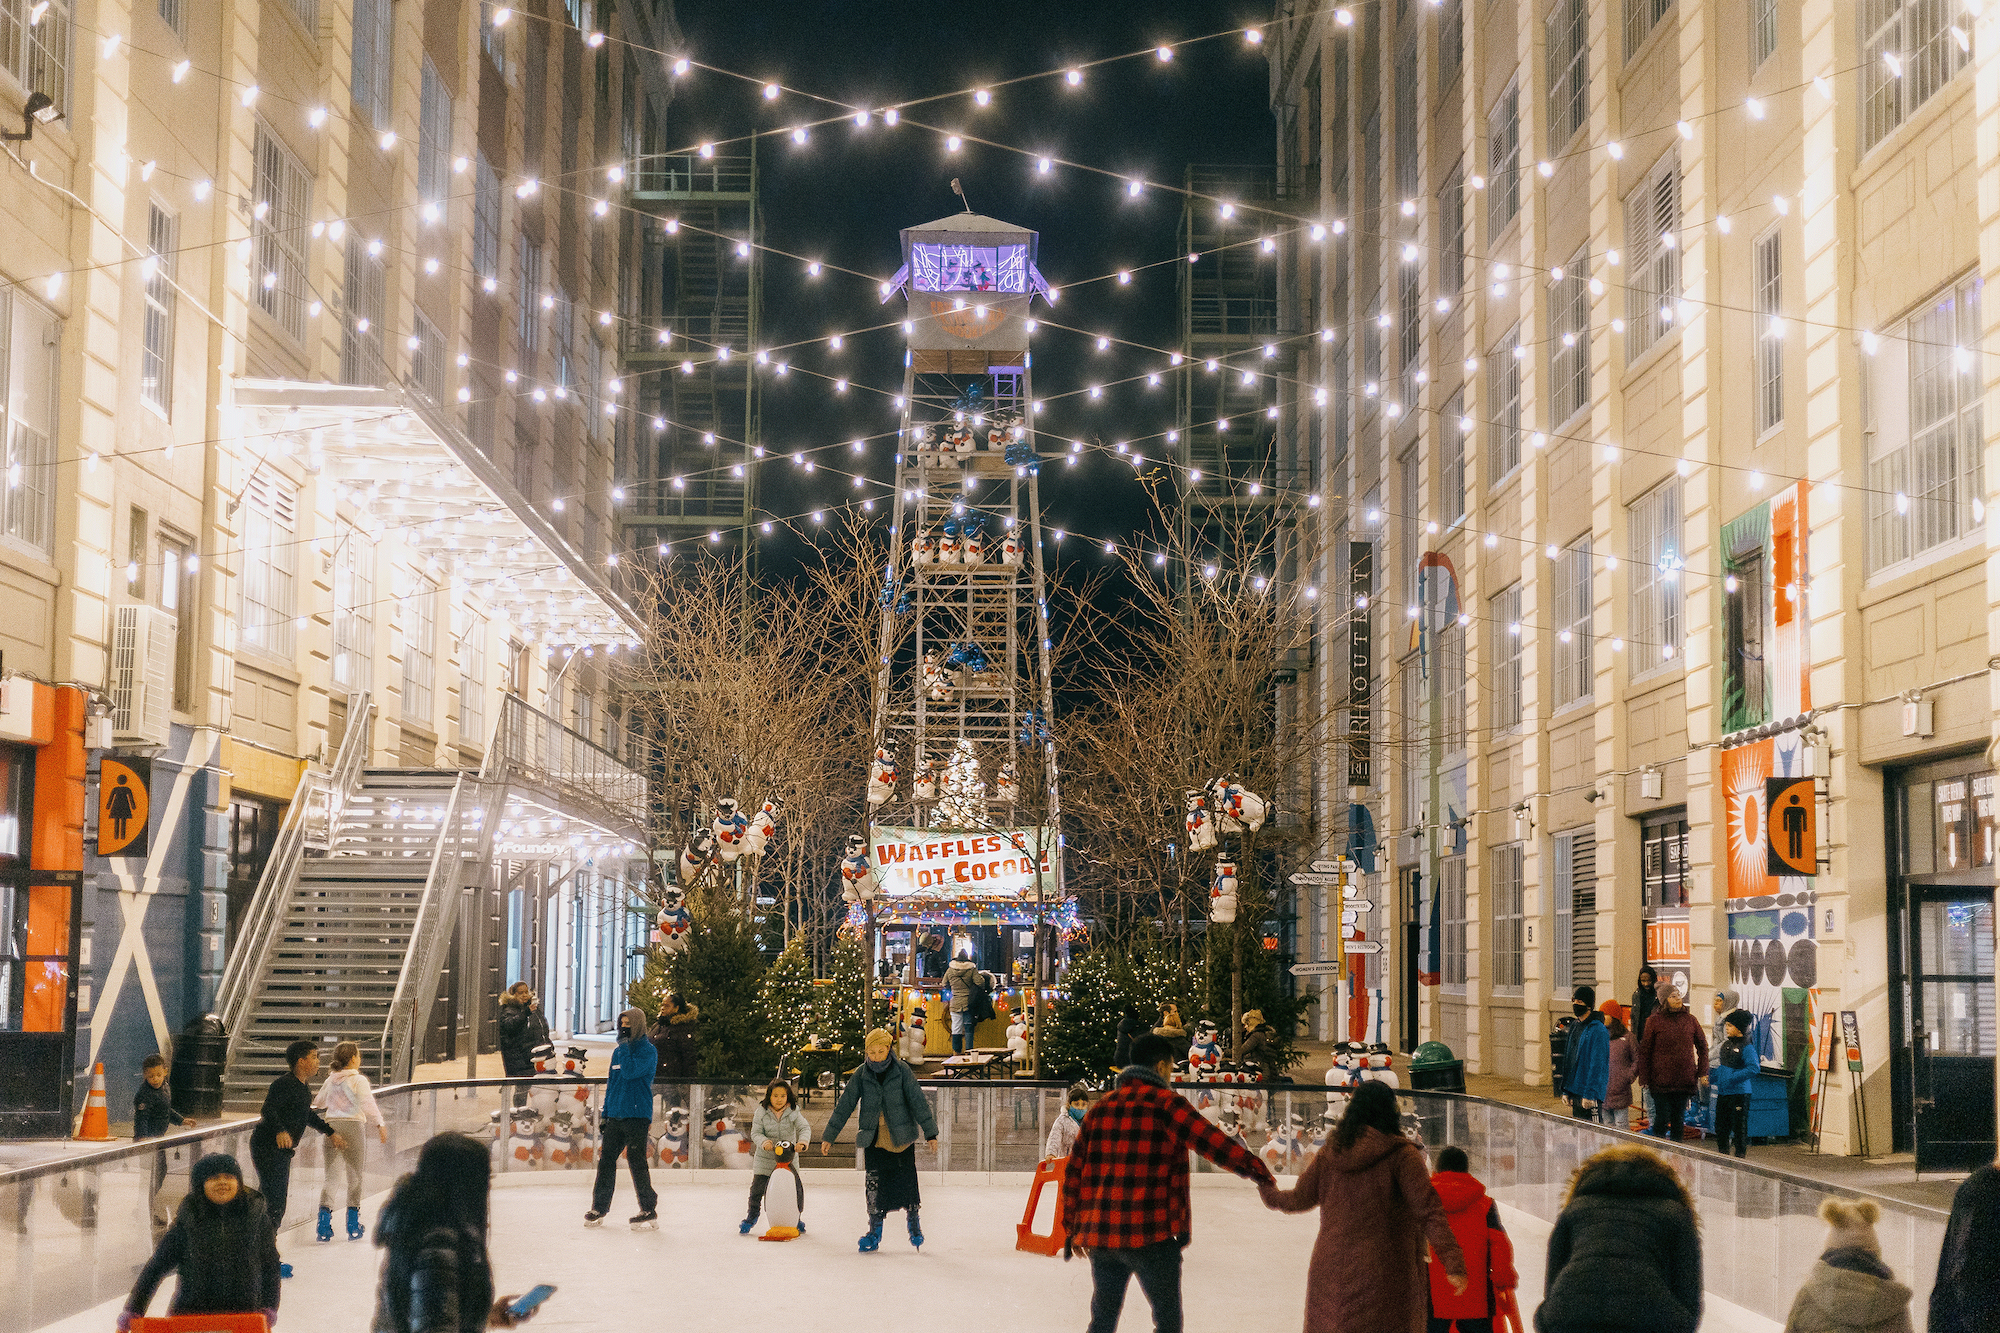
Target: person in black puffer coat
436,1277
677,1037
1966,1298
522,1029
1624,1256
221,1244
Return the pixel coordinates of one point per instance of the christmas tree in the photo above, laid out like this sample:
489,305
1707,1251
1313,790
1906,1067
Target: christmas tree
838,1013
787,999
961,800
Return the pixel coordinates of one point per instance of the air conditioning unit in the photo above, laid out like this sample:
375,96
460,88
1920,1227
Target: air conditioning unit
142,675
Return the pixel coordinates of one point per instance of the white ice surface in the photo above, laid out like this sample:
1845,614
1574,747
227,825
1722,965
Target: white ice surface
1245,1270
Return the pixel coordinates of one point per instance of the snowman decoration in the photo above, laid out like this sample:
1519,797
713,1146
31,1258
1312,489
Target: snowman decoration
1005,789
883,775
731,1143
925,436
858,880
700,850
1200,828
923,782
1343,1076
1222,893
1205,1051
731,827
1017,1037
914,1037
973,549
762,825
947,553
1286,1147
673,1150
671,926
936,684
1379,1066
524,1139
923,551
1010,550
1237,808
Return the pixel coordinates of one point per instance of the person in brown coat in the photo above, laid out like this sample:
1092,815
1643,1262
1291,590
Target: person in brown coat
1377,1207
1673,1063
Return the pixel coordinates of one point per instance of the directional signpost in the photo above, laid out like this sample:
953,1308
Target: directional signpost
1327,969
1362,946
1331,867
1314,877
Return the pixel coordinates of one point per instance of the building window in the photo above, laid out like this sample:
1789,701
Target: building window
1926,434
427,360
1641,17
1503,162
1409,522
1342,409
1576,910
1657,555
307,13
1769,257
516,682
1663,861
179,595
490,39
170,14
354,610
29,339
1451,225
35,46
433,140
1449,675
1506,891
472,681
485,223
270,554
1451,918
593,383
1573,623
1746,595
1503,411
1371,346
1763,32
1506,639
1569,320
1568,30
366,291
531,302
562,325
1409,333
419,648
1653,265
1451,42
156,367
1409,167
285,192
1453,438
1910,50
374,59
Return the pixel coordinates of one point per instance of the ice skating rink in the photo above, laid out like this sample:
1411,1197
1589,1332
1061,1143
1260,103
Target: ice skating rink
1245,1270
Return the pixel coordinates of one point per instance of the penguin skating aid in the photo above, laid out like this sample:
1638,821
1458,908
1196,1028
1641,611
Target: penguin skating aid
785,1197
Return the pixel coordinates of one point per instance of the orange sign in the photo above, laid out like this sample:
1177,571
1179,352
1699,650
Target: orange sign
1667,942
1791,829
1823,1048
124,806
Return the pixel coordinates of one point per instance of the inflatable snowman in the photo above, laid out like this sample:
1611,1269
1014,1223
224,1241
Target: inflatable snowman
1200,828
882,776
923,550
700,850
1010,550
1017,1037
673,1149
671,926
731,828
1222,893
914,1037
1005,789
858,879
923,779
1237,808
763,825
1205,1051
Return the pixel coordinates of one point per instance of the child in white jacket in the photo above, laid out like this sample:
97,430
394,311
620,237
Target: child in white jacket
775,1121
1062,1134
347,1102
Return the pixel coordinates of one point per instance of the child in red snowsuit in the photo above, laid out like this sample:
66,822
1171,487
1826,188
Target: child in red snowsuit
1489,1254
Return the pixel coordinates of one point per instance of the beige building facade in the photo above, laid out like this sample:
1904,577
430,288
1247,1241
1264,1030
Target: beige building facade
1652,332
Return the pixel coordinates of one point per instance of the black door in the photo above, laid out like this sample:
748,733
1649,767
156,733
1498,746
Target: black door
1950,952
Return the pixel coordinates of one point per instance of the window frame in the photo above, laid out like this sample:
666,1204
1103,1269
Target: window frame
419,626
434,138
1575,909
1506,882
1566,32
1509,661
364,300
485,219
530,302
1767,275
472,679
1652,266
372,61
1453,924
40,56
282,184
1454,443
1898,446
353,664
1503,413
427,359
268,583
1763,32
1503,161
1451,229
1641,18
1573,660
28,497
1929,60
1659,620
156,365
1569,317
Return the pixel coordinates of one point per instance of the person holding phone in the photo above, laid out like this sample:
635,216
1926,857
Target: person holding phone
436,1277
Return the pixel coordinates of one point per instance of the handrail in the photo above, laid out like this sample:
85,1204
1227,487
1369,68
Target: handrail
529,744
251,954
416,984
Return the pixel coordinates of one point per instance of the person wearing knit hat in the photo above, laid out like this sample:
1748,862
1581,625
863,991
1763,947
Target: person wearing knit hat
1850,1289
1586,1073
221,1248
1673,1058
1734,1074
889,1112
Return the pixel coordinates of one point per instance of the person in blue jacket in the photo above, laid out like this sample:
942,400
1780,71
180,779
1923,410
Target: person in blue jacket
627,1115
1587,1059
1734,1074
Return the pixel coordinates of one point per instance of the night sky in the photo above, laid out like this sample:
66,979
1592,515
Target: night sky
842,198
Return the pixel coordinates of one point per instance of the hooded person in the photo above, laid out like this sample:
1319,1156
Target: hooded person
1489,1253
625,1120
221,1247
676,1035
1734,1074
1726,1002
1850,1289
1966,1298
1624,1255
436,1277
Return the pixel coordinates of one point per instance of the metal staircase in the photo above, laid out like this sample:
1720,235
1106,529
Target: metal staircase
347,946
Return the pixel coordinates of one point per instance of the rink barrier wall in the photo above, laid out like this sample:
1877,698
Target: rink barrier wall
75,1231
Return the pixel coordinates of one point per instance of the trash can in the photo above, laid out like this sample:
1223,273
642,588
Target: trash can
199,1053
1432,1069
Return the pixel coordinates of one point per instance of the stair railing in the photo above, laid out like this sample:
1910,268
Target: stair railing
250,952
430,938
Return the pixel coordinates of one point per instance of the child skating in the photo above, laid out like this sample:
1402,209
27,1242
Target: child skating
1489,1255
348,1103
1062,1134
775,1125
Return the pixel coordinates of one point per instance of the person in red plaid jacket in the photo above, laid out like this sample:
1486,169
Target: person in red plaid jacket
1125,1193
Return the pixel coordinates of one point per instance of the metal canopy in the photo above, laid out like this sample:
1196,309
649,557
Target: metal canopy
399,467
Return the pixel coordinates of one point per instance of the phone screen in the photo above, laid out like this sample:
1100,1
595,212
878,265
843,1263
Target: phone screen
531,1300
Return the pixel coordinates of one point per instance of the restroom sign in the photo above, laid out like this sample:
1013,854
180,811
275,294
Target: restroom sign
124,806
1791,826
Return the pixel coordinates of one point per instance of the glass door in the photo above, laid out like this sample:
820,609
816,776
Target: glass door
1952,1025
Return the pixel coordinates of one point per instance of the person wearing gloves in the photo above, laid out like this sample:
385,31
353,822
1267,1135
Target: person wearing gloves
1625,1255
889,1112
348,1103
1734,1074
1850,1289
221,1247
436,1277
775,1121
1062,1134
627,1115
1587,1061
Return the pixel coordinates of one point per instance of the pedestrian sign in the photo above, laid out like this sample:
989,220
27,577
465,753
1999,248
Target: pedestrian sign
124,806
1791,827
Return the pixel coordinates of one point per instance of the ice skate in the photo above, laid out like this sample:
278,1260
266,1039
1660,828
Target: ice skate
284,1270
594,1218
916,1231
355,1231
646,1221
873,1240
744,1227
325,1230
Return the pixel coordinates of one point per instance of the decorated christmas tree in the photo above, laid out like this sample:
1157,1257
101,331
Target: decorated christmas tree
961,802
787,998
837,1016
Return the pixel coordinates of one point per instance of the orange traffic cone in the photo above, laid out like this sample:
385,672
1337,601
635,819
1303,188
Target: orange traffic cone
96,1126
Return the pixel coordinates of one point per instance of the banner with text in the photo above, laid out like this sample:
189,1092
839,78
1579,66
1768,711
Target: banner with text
996,864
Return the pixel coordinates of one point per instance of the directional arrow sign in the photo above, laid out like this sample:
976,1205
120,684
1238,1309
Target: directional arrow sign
1316,969
1302,877
1327,866
1363,946
1354,905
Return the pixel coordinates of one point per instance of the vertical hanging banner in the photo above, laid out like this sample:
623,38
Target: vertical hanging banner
124,805
1791,832
1360,665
